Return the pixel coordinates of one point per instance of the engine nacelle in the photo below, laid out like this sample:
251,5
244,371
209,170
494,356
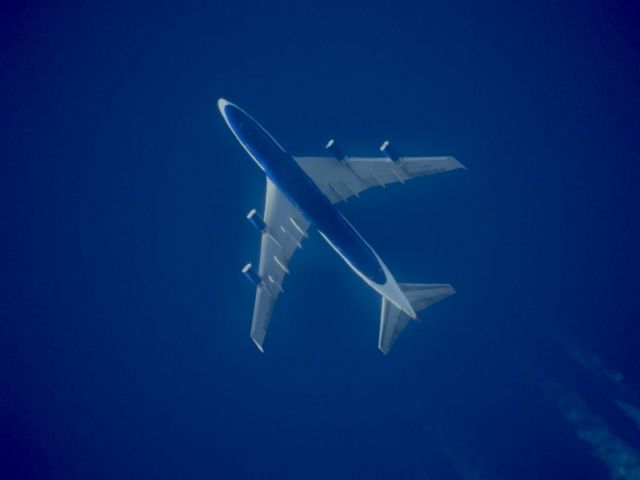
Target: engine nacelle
256,220
335,150
251,274
389,151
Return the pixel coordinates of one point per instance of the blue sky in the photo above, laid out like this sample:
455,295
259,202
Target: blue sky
124,319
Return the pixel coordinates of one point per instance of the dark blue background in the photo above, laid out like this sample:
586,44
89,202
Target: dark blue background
124,319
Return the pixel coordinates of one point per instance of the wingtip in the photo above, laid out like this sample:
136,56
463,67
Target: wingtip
459,163
258,345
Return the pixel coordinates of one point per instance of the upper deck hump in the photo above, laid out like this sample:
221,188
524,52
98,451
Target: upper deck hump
301,191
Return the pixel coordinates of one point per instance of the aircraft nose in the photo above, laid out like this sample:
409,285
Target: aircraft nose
222,103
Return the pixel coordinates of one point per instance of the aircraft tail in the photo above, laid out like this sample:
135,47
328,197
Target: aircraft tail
393,320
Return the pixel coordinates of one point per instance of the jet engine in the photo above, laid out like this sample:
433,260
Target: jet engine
389,151
335,150
251,274
257,221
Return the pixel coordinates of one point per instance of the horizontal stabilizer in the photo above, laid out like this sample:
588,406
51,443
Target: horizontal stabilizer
393,320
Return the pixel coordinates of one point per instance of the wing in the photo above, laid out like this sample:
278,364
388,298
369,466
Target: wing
286,228
341,179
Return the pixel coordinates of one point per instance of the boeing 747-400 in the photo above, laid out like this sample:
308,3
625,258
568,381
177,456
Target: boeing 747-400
302,192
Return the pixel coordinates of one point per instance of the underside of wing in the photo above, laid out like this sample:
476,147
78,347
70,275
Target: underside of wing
283,230
341,177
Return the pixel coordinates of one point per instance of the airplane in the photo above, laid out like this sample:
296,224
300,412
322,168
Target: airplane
301,192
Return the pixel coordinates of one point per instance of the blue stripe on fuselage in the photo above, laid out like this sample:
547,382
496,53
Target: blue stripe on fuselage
302,192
